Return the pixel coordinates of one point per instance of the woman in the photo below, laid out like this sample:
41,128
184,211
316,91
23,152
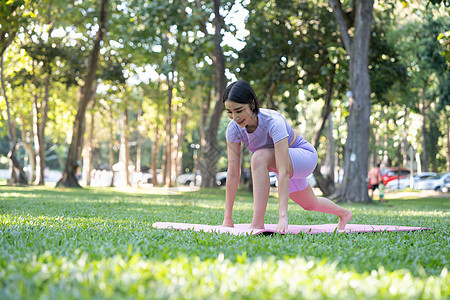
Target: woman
276,147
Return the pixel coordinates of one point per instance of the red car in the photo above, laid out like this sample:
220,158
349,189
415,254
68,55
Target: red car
393,173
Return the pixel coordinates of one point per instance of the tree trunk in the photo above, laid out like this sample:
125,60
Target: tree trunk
12,172
244,153
155,151
206,106
385,161
422,109
181,125
139,141
168,142
69,178
43,124
405,141
418,163
16,165
203,126
448,142
39,123
111,147
325,183
242,163
124,147
91,145
331,150
88,163
29,148
208,163
354,185
375,146
39,178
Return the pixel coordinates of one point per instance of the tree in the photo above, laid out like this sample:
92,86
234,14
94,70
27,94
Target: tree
152,106
12,17
88,160
208,160
293,46
424,90
354,186
168,41
69,178
41,53
16,165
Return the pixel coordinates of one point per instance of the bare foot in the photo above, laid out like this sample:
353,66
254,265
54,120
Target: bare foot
343,220
256,226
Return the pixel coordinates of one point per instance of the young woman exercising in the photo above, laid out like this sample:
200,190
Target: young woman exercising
276,147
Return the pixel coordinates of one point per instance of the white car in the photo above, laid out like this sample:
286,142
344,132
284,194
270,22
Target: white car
273,179
435,183
190,179
311,180
403,183
446,187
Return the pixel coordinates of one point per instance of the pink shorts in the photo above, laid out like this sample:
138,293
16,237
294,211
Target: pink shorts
304,160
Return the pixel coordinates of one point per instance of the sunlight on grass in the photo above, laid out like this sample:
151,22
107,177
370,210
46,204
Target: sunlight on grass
18,195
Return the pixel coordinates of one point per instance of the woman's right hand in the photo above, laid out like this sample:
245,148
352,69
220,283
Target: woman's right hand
228,222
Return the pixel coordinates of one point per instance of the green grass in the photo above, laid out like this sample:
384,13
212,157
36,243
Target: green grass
99,244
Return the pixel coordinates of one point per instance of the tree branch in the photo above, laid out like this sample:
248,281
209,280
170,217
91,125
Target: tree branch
339,14
203,20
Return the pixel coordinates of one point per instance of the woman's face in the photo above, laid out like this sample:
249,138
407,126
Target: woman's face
241,114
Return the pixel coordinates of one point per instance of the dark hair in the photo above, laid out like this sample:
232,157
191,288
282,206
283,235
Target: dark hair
241,92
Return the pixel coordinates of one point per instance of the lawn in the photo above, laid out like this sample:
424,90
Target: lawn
97,243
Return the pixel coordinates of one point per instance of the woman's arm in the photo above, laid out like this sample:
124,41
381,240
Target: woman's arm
233,176
283,162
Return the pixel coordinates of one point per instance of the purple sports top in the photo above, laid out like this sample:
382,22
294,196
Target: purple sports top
272,128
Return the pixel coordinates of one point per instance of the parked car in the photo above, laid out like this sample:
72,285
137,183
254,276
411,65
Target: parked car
435,183
403,183
273,179
446,187
393,173
311,180
159,177
190,179
221,177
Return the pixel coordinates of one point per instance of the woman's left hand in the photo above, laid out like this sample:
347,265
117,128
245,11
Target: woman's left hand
282,225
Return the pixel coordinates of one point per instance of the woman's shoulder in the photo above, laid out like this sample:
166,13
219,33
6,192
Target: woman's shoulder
270,115
270,112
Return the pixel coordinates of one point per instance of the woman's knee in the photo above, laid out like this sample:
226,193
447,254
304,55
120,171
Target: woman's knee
262,158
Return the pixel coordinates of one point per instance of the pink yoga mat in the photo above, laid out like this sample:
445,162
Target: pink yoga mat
239,229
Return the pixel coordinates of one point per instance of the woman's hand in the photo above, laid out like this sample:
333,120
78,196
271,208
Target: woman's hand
228,222
282,225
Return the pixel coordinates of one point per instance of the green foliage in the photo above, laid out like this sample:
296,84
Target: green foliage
13,15
292,48
291,45
385,67
99,243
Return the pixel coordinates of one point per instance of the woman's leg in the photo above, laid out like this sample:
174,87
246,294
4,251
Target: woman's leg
308,200
262,162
